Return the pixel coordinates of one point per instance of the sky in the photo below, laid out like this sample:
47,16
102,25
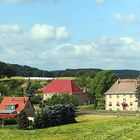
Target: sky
61,34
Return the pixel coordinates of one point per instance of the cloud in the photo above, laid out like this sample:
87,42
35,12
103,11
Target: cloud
10,28
46,32
106,52
125,18
62,33
37,47
15,34
43,32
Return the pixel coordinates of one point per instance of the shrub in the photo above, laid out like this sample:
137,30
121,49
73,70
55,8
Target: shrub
62,99
22,121
55,115
36,99
38,121
10,121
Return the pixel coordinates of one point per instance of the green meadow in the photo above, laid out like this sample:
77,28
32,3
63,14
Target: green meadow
89,127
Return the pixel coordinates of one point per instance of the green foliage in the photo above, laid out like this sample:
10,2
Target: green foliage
30,90
38,121
100,84
18,70
36,99
26,71
55,115
6,70
17,87
22,121
87,107
10,121
84,77
62,99
11,88
1,98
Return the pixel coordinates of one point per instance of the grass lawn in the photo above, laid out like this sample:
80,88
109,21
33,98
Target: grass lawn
90,106
89,127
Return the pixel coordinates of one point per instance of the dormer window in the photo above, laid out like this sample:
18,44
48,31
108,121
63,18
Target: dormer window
10,107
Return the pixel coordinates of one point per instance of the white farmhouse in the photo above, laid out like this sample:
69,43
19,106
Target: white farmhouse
121,96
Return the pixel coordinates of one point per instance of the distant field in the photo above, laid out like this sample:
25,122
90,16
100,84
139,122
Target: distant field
15,77
21,77
68,78
89,128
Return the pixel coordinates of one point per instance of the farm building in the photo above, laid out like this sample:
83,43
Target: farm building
11,106
66,87
121,96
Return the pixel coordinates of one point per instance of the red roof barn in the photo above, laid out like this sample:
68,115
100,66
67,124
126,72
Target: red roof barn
11,106
67,87
62,86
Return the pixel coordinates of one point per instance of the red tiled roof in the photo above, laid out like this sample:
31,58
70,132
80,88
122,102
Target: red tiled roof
19,101
8,115
62,86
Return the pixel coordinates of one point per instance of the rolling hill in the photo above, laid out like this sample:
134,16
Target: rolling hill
27,71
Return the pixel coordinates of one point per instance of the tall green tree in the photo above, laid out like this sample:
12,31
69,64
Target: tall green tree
84,77
100,84
30,90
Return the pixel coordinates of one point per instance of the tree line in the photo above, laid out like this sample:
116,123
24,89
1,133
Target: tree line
19,70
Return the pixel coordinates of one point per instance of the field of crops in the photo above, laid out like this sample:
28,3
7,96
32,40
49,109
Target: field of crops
89,127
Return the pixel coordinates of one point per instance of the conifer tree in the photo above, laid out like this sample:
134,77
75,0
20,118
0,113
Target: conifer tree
22,120
30,91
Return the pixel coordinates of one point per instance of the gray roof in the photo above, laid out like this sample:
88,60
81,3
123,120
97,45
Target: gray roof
124,86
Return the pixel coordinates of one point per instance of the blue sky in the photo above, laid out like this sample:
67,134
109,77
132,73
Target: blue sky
60,34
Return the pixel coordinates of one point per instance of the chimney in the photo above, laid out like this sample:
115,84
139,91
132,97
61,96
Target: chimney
119,80
138,81
24,100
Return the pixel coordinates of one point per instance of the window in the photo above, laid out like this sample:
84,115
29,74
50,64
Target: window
131,96
117,96
10,107
117,104
110,103
110,96
124,99
131,103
